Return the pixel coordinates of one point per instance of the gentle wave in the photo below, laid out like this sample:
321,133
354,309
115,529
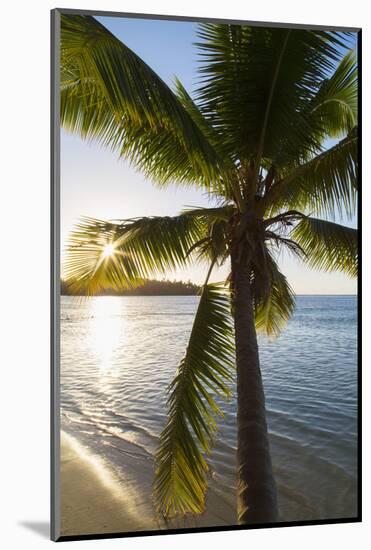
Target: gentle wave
118,356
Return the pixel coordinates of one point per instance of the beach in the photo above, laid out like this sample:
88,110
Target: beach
116,362
91,499
206,345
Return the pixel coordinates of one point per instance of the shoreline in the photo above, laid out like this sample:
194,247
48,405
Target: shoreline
92,500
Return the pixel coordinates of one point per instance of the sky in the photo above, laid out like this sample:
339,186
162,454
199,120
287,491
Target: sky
94,182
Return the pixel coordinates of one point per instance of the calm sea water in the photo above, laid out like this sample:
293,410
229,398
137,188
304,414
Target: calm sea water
119,354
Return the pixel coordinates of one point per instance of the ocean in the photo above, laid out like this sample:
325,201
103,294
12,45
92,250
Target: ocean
118,355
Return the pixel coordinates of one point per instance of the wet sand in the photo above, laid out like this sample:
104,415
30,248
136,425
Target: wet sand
92,501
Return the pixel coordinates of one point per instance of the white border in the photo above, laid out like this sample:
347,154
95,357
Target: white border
25,267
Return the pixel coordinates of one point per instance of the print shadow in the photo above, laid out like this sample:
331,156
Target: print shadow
42,528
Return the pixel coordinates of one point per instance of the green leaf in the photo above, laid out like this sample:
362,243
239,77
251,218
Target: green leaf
207,129
208,215
273,311
335,105
214,246
204,373
141,247
326,184
256,84
108,93
328,245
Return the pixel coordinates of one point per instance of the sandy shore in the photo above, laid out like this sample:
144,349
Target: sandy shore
92,501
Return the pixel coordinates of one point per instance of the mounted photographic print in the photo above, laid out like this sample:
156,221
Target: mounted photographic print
204,287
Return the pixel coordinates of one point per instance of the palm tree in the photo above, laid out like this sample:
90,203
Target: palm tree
253,138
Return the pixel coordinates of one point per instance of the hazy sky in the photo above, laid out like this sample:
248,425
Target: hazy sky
95,183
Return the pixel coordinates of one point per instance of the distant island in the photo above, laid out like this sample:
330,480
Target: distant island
149,288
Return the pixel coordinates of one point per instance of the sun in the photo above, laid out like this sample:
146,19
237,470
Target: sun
108,251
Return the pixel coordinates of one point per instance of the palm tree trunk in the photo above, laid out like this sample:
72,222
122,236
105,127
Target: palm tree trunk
257,496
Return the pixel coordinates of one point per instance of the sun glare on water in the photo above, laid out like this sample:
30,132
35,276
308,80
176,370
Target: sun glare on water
107,331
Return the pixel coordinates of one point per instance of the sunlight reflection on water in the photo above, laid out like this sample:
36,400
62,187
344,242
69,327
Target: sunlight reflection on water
118,356
107,329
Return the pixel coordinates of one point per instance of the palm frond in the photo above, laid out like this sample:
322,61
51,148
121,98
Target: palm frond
228,179
209,215
140,248
207,129
204,373
279,241
335,105
255,85
214,246
325,185
108,93
274,309
328,245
